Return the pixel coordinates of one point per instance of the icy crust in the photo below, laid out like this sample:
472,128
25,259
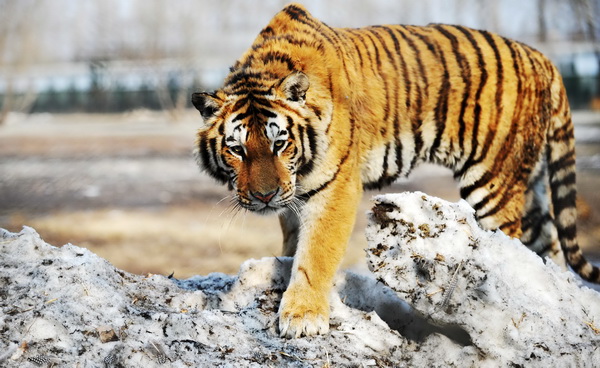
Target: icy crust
487,291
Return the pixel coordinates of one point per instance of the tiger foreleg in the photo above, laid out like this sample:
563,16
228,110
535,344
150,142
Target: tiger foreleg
328,219
290,227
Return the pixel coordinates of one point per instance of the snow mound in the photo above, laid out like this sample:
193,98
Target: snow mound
478,298
62,306
489,291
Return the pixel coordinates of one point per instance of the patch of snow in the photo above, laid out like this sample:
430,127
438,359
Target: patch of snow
457,295
514,309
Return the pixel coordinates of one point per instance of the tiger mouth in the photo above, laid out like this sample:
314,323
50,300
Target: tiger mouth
274,206
263,208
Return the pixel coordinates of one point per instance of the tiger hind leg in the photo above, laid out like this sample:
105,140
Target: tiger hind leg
538,230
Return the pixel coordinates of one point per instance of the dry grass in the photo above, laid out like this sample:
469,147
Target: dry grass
186,240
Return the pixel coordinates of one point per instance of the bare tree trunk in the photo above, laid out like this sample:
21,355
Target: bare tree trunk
542,24
18,48
588,13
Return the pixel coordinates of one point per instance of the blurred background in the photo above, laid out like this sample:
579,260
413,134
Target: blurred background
96,128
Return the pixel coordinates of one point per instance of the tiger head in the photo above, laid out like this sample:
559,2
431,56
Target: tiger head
258,140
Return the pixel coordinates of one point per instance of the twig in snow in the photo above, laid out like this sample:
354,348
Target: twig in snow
327,363
435,292
290,356
451,287
518,323
594,328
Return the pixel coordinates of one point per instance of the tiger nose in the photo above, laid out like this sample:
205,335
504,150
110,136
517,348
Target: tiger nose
265,197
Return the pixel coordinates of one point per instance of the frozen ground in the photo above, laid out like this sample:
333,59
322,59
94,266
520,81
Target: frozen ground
479,299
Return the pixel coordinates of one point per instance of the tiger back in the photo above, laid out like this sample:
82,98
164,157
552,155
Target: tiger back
311,115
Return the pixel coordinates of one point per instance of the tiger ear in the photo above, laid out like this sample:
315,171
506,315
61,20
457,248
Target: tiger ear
207,103
294,86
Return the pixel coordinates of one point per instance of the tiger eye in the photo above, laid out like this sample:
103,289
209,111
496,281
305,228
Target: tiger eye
238,150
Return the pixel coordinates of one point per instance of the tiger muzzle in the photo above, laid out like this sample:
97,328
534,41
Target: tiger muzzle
265,197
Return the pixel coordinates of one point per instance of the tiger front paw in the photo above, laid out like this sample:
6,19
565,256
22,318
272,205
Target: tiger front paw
303,313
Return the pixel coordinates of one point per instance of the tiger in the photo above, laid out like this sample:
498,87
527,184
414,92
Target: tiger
311,116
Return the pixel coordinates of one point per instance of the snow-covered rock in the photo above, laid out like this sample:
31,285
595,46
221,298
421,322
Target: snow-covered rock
502,302
479,298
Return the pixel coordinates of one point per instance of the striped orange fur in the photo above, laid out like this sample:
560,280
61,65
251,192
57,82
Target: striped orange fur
310,115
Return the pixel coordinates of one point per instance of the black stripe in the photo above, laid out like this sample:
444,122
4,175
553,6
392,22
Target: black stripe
485,200
505,198
507,224
477,110
483,180
419,59
205,155
386,178
377,56
567,180
544,250
292,40
307,157
266,32
563,133
441,108
535,226
358,52
386,157
299,15
315,109
253,111
312,139
242,91
498,97
208,151
567,160
245,76
399,162
407,86
306,168
534,220
312,192
278,56
566,202
267,113
594,276
466,77
331,87
416,122
567,233
581,262
339,46
520,100
368,52
302,148
386,110
418,132
239,104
